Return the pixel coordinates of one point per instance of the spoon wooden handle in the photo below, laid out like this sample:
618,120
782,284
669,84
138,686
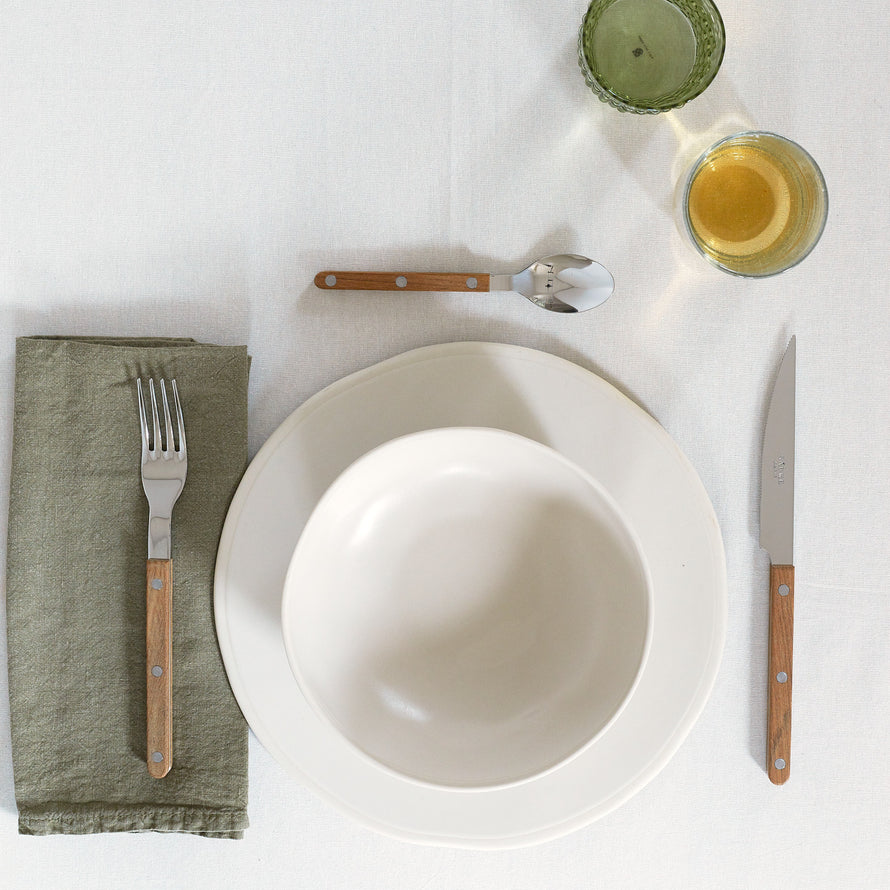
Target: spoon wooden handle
781,640
416,281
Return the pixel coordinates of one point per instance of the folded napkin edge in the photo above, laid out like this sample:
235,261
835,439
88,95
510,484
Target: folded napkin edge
95,817
107,340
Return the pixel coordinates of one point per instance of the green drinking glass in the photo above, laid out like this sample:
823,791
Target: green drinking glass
649,56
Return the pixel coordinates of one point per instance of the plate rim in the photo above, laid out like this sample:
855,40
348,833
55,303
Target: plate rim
474,840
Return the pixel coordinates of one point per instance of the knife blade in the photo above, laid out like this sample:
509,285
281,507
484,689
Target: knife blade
777,538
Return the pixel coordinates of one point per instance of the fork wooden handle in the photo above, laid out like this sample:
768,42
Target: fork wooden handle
781,645
158,664
430,281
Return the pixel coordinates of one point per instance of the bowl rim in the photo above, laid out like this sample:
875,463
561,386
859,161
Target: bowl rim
591,482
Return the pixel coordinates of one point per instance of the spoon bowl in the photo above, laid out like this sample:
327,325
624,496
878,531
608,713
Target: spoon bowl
564,282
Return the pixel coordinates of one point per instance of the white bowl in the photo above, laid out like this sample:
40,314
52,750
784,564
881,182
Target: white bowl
467,608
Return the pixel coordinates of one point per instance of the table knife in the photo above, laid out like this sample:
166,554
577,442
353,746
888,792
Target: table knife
777,538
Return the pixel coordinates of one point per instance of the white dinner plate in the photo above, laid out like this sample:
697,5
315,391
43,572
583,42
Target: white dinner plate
546,399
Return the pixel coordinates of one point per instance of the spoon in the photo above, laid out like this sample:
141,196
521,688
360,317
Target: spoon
564,282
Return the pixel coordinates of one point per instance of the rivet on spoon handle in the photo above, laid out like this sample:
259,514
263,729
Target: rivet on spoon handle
413,281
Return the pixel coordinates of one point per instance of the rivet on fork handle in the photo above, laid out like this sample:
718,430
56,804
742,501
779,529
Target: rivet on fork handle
159,662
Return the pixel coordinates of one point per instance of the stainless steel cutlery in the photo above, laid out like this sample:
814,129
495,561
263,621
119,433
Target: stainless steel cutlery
777,538
564,282
164,467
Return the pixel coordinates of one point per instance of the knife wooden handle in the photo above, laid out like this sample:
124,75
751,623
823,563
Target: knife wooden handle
158,664
781,640
432,281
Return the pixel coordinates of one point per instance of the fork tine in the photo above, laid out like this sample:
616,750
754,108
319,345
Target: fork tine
179,421
143,420
168,422
156,423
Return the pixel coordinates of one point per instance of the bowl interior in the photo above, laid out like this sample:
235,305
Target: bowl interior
467,607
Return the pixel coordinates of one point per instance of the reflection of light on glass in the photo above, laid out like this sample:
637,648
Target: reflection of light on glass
691,143
680,131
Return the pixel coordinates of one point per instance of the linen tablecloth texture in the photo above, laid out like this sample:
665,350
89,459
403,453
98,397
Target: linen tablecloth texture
78,523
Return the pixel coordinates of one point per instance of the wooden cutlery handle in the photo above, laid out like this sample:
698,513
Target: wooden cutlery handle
158,665
435,281
781,639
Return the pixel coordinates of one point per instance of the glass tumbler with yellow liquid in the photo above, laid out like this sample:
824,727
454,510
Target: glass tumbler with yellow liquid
754,204
648,56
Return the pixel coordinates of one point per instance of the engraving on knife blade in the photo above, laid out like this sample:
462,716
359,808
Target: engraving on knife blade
779,469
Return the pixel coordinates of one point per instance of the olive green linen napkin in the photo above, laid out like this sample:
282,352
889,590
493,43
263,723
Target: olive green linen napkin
78,530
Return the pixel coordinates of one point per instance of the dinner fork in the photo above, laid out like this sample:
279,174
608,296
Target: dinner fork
163,477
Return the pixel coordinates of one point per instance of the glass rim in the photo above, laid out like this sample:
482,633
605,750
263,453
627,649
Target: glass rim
695,166
610,97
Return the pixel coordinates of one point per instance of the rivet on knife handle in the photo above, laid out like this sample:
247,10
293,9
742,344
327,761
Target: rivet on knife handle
159,663
781,639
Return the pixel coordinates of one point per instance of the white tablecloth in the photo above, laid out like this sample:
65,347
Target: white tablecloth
185,168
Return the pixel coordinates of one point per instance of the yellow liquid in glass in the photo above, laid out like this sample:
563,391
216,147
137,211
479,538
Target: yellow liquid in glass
742,201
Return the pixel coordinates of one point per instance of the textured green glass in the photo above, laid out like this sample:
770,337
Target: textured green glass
648,56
